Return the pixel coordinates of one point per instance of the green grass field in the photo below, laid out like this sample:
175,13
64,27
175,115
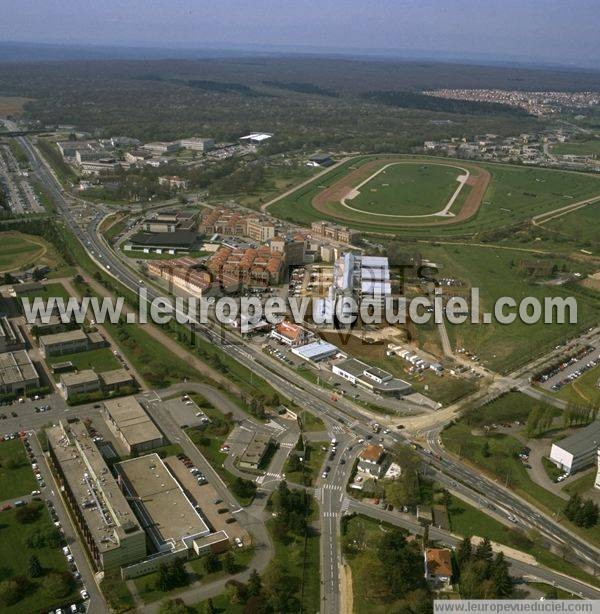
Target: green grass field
582,226
16,476
502,462
20,251
99,360
578,148
584,389
468,521
496,273
15,556
408,189
514,194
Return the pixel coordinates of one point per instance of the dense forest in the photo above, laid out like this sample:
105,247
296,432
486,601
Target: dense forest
308,103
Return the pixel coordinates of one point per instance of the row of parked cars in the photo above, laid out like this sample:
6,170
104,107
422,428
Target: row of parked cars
200,477
577,373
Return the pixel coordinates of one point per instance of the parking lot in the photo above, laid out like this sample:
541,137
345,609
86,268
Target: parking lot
185,412
571,368
214,510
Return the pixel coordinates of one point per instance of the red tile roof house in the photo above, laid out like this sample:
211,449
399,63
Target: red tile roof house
438,566
291,334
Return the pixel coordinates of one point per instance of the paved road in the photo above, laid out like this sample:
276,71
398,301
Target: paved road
307,394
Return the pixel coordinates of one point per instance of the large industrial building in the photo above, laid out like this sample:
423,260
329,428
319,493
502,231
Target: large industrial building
111,531
166,513
130,423
17,373
577,451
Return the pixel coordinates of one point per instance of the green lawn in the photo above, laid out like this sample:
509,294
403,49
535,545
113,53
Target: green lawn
408,189
578,148
502,462
310,422
515,193
116,592
581,226
497,273
582,484
15,554
584,389
315,457
99,360
146,585
300,559
468,521
364,533
16,475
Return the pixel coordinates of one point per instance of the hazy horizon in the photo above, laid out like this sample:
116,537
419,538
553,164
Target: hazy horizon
530,32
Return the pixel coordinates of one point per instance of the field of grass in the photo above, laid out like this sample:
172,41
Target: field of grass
370,532
582,484
19,251
578,148
582,226
278,179
408,189
300,559
116,592
15,557
501,461
584,389
146,585
99,360
468,521
514,194
311,467
16,476
311,423
496,273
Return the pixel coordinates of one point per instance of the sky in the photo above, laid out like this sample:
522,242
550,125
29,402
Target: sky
564,31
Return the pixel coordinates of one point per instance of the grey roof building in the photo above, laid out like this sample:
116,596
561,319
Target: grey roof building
577,450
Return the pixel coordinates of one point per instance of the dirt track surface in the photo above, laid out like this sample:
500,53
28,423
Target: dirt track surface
328,201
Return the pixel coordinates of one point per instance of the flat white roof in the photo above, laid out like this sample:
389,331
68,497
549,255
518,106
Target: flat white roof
256,136
315,350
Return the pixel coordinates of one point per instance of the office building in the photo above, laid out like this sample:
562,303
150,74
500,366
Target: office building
106,522
85,381
68,342
370,378
130,423
163,509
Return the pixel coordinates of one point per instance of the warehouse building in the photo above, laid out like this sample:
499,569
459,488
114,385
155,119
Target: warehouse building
106,522
17,373
164,510
577,451
130,423
316,351
371,378
68,342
